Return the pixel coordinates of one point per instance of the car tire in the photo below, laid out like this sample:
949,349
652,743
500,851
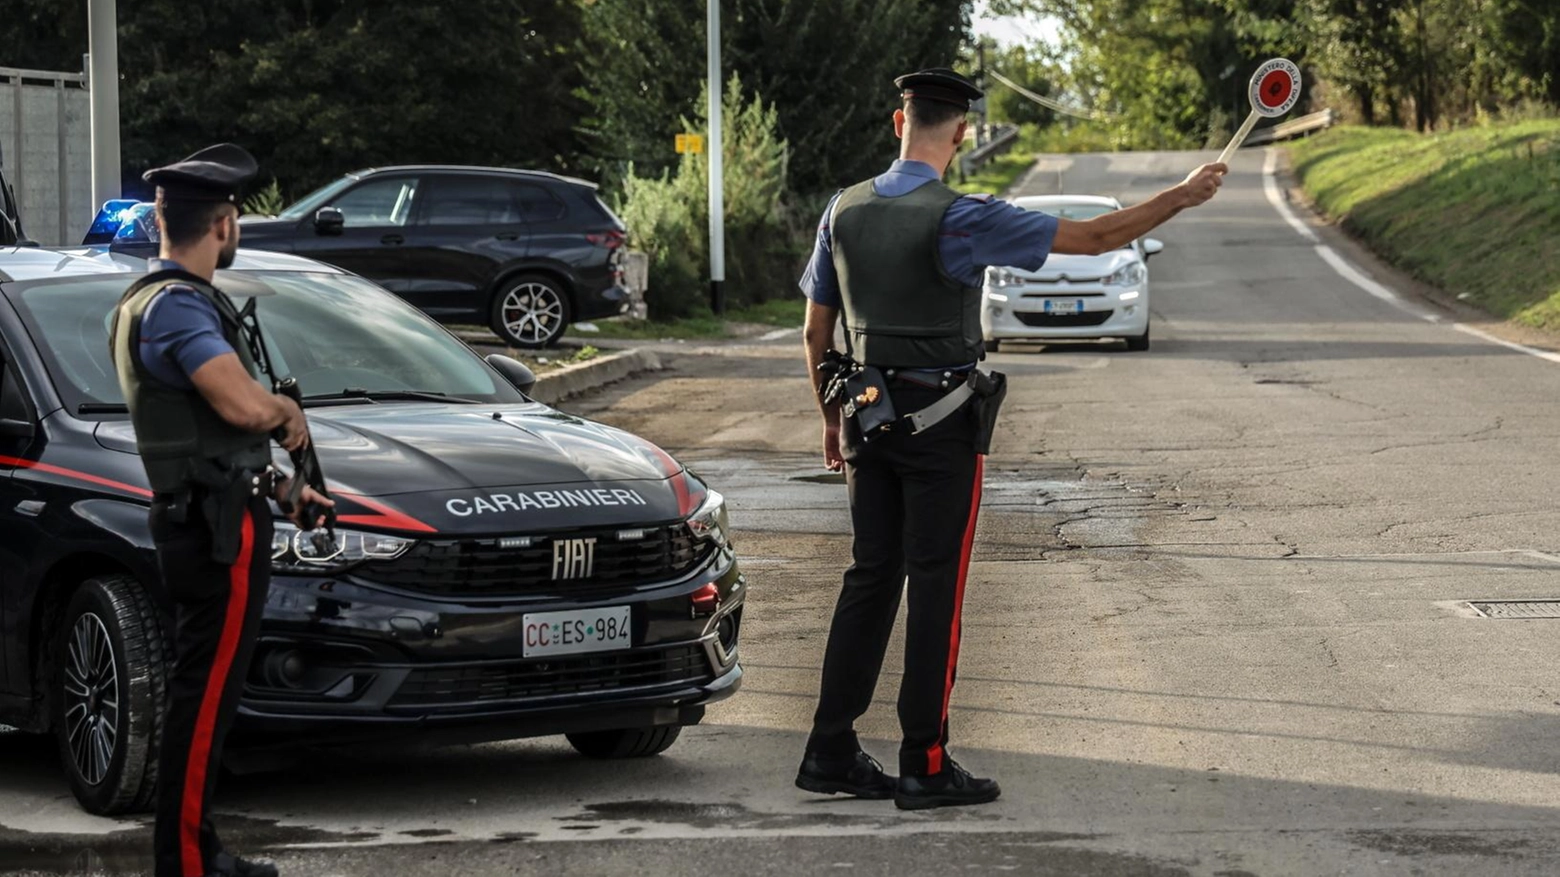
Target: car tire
1139,343
531,311
993,345
627,743
110,673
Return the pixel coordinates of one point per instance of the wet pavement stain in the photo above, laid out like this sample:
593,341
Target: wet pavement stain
130,851
426,832
736,816
1436,843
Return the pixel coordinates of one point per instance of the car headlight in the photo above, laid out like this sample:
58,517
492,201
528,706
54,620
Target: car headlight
1131,275
709,522
296,552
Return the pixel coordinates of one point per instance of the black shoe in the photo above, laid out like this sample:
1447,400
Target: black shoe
954,787
232,866
858,774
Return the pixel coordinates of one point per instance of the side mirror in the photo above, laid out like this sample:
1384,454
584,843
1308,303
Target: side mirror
1152,246
329,221
514,371
10,427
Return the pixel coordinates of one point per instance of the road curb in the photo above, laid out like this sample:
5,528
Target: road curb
572,380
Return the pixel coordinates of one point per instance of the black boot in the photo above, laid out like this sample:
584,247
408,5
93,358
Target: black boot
232,866
953,787
858,774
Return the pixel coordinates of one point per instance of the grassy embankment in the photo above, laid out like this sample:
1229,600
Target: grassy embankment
1474,212
780,312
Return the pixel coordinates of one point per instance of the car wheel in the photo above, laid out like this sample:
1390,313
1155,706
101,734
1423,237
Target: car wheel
531,311
993,346
109,675
1140,342
627,743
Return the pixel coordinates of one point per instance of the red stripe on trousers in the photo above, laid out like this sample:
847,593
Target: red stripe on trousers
206,720
934,755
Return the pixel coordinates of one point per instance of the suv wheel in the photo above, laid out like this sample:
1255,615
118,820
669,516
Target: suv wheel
109,674
627,743
531,311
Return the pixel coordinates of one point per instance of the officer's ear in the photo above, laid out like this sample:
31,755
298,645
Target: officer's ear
959,132
899,123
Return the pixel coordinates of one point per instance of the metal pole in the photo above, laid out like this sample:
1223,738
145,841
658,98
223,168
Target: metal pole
103,80
717,164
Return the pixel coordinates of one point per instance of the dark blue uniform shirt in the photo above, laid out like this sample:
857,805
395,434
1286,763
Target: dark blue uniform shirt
977,231
180,331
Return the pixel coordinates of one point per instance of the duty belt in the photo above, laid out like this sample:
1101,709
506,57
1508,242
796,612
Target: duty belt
862,392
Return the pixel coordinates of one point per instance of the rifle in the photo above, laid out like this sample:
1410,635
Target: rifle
306,470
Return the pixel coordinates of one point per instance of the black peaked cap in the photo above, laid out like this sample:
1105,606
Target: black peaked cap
939,84
216,173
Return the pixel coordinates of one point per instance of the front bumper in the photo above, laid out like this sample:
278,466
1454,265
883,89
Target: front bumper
1018,312
371,660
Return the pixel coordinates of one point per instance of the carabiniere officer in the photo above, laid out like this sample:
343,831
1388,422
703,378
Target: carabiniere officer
902,255
203,424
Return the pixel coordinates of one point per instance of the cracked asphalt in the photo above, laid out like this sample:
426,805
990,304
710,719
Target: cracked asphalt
1216,622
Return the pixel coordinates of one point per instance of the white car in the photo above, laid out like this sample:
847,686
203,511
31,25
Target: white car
1071,297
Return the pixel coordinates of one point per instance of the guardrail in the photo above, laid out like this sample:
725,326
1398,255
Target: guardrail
1294,128
1001,142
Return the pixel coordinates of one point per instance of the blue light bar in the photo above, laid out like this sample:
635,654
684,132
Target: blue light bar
138,225
108,220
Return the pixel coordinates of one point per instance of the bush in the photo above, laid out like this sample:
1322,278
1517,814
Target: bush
668,217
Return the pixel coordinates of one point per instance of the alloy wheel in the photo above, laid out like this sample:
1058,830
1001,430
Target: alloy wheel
531,313
91,698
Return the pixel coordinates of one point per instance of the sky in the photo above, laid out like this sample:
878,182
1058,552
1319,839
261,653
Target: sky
1013,29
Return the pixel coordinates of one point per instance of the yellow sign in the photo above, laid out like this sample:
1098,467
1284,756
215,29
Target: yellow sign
693,143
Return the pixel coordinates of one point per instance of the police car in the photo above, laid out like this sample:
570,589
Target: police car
500,568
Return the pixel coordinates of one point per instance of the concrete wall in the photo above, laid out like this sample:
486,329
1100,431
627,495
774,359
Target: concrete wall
49,159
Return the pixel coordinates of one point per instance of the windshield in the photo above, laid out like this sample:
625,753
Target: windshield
316,199
1069,211
332,332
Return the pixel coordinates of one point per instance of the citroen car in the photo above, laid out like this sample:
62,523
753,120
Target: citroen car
1071,297
499,568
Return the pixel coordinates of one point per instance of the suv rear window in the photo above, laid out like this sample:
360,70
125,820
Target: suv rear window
474,200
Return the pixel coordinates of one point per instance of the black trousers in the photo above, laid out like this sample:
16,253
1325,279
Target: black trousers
217,614
914,500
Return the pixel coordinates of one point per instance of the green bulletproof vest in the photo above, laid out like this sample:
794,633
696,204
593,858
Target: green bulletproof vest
177,432
901,308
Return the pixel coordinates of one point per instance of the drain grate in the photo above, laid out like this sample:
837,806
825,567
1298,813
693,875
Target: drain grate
1517,608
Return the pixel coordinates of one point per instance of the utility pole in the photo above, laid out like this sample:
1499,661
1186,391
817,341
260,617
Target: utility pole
717,165
982,132
103,82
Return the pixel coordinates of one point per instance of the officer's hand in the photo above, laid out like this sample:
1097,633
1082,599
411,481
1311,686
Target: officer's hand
833,460
307,497
295,430
1202,183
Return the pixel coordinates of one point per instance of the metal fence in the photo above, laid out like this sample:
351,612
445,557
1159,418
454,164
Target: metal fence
46,147
1300,127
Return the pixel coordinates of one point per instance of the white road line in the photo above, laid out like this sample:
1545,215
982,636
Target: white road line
1520,348
1276,198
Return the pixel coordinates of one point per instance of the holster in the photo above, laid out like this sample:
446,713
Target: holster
224,495
990,389
866,399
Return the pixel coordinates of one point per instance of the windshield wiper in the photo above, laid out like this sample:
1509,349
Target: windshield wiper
102,408
392,396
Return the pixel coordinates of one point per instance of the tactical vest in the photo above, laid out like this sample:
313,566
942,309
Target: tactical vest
901,308
177,432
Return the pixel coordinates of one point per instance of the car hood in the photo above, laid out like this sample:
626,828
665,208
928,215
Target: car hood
1080,268
481,468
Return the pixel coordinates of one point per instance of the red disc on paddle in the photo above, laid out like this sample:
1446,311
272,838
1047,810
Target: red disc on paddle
1275,89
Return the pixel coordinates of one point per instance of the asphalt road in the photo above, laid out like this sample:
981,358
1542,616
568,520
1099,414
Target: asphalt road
1216,624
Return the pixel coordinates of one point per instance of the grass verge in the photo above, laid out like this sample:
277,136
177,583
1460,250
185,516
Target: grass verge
542,362
1474,212
779,312
995,176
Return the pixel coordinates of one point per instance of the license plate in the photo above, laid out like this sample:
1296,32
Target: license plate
577,631
1059,306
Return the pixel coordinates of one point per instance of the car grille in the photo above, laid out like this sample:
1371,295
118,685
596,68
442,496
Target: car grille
553,677
1060,321
488,568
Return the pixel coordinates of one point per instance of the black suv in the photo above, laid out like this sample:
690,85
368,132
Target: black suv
524,252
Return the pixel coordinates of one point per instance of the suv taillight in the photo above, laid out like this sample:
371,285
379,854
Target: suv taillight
612,240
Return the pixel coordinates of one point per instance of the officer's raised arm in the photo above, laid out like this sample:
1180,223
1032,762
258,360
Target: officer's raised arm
1118,228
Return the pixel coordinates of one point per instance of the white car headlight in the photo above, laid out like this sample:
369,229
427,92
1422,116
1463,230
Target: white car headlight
296,552
1130,275
709,522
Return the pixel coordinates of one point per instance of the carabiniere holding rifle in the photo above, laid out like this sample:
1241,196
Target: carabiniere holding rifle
191,365
902,256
